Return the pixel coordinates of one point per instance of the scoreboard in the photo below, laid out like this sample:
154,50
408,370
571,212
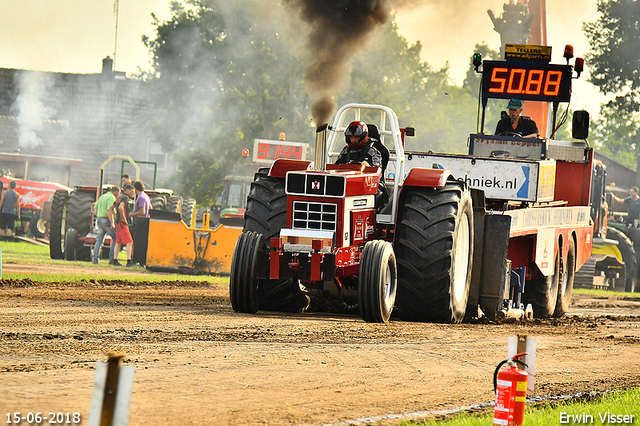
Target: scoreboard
528,81
267,151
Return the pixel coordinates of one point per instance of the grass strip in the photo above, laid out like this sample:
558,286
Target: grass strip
610,408
25,253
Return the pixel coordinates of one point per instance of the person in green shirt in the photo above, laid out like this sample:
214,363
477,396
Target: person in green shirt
106,223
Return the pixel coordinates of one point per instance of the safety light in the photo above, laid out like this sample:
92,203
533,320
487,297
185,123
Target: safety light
568,52
579,65
477,61
245,152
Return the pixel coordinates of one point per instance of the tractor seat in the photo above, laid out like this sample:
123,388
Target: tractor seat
374,134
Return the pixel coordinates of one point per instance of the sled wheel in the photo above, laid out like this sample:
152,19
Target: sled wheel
565,285
542,293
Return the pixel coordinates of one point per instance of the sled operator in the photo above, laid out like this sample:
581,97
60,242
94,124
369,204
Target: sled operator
514,123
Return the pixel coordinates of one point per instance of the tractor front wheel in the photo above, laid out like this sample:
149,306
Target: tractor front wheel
377,281
70,244
243,284
36,226
58,226
266,214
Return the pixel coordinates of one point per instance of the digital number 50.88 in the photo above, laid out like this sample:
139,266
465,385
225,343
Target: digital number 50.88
517,81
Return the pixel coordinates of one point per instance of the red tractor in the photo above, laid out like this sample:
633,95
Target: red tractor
311,229
459,232
33,199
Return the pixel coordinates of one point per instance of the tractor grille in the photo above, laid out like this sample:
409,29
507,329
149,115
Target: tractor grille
319,185
316,216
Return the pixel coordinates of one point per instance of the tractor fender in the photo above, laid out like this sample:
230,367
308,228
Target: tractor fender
281,166
435,178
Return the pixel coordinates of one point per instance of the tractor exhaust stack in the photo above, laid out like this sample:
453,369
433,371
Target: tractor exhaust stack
321,146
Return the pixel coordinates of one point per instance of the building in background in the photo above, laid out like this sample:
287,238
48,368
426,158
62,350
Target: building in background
50,122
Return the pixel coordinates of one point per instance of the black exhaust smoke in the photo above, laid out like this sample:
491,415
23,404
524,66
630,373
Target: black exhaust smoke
337,30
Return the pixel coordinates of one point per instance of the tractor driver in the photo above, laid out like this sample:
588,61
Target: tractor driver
359,147
360,150
514,123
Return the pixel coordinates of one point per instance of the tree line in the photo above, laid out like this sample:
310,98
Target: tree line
225,73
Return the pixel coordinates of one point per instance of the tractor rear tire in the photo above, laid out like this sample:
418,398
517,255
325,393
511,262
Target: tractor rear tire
434,251
79,218
377,281
542,293
243,283
188,210
70,244
565,284
174,204
158,201
266,211
625,245
58,226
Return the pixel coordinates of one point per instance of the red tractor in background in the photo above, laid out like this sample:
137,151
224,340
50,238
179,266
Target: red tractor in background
33,199
459,232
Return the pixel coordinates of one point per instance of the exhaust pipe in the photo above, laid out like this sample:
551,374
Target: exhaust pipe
321,146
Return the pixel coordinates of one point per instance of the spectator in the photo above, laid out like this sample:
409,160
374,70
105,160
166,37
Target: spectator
106,223
123,236
633,206
143,202
126,180
140,219
10,202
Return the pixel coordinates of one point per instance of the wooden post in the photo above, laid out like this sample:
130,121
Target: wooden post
522,347
110,388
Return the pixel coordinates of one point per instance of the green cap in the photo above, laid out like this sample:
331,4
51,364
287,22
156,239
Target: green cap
514,103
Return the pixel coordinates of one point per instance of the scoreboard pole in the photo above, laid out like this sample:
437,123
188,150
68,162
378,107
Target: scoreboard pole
538,111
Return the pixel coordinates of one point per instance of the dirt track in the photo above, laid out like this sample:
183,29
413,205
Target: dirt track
199,363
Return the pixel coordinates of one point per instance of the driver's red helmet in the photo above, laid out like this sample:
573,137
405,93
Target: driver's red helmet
356,128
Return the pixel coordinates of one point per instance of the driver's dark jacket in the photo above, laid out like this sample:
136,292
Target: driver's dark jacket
367,153
526,126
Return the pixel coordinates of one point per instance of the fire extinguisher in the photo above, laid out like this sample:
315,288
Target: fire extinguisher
510,386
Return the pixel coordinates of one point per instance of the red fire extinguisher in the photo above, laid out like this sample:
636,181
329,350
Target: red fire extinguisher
510,386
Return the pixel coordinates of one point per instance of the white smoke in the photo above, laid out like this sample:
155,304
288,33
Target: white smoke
29,106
